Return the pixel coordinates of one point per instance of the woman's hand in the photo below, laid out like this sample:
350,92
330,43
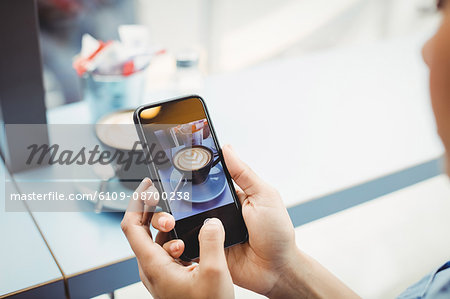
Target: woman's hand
259,263
162,274
270,262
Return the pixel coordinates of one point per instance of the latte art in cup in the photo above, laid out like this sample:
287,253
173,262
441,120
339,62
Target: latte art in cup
192,158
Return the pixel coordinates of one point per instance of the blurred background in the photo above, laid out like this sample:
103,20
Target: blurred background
226,35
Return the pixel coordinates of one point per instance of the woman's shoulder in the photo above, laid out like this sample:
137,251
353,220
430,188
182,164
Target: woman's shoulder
435,285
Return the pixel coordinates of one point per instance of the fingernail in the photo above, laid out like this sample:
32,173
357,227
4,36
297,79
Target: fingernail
144,182
175,247
162,221
214,221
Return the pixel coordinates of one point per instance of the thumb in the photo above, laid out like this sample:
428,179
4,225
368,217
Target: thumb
241,173
212,253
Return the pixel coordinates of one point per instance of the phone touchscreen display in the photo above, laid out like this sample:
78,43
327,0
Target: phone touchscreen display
184,151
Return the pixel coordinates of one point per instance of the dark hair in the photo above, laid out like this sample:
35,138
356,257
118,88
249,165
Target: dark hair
440,3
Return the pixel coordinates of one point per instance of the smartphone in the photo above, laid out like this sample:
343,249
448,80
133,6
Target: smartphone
188,169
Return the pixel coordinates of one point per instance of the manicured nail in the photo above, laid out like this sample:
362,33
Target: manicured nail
144,182
163,221
213,221
175,247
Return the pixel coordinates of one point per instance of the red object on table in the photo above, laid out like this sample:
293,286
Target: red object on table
128,68
81,63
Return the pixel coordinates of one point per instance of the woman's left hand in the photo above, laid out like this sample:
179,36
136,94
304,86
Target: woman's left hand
164,276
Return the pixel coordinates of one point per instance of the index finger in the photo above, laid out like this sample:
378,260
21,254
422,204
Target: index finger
136,230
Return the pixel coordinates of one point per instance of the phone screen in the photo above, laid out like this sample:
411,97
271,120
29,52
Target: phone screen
188,165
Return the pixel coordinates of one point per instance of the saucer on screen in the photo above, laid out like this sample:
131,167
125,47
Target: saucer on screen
204,192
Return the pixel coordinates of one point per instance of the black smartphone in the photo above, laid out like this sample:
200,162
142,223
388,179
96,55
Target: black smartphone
188,169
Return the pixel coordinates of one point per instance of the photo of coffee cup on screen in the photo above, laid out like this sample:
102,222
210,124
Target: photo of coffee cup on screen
196,176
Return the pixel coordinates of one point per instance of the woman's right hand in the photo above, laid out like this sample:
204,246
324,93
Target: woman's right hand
270,262
257,264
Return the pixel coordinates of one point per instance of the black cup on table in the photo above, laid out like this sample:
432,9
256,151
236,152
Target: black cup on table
194,162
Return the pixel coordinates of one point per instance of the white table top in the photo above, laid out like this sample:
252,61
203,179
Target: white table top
25,260
317,124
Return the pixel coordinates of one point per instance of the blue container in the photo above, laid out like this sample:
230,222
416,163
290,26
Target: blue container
106,93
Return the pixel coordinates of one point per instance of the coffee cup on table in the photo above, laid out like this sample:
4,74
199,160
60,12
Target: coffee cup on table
194,162
117,135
